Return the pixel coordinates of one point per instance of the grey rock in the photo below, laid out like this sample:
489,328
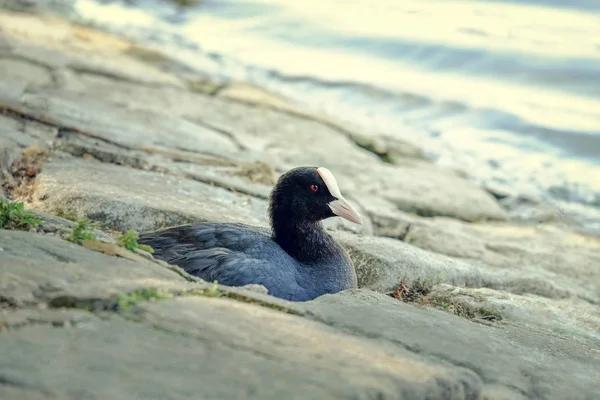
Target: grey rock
563,317
381,263
128,128
124,198
134,148
515,360
281,139
36,268
21,71
544,260
415,186
220,342
54,43
17,134
44,316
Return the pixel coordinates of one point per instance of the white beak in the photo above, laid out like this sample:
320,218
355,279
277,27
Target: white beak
342,208
340,205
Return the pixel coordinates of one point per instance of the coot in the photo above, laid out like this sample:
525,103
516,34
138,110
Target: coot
296,260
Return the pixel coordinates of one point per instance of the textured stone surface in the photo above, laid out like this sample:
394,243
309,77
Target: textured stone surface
37,267
131,147
519,359
382,347
125,198
134,360
545,255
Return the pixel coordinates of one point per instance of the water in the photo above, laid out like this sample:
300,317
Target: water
507,91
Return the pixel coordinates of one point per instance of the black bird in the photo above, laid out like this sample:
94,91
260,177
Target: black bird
297,260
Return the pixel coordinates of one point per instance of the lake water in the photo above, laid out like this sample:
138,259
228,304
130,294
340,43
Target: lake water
507,91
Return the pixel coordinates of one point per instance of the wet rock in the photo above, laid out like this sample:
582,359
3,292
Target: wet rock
529,210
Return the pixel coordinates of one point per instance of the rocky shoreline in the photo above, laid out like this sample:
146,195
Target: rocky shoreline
95,127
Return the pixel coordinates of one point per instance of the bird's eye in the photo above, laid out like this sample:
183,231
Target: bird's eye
314,188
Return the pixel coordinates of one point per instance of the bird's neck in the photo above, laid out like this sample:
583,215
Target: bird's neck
306,241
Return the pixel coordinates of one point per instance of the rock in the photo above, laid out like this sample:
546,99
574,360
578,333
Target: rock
42,315
277,138
381,264
543,260
518,360
389,149
16,70
383,347
54,43
123,198
564,302
415,186
131,129
183,340
17,135
246,184
529,210
563,317
251,94
213,339
38,267
136,140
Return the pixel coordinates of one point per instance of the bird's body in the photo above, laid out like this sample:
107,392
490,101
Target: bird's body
295,260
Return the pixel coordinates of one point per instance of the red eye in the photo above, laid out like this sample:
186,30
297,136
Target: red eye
314,188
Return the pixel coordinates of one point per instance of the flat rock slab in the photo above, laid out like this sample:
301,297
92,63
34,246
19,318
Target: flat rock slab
58,45
37,267
284,141
381,347
516,360
129,128
544,260
518,290
125,198
205,348
382,263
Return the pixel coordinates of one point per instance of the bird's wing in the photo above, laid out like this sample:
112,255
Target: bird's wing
171,243
229,267
232,254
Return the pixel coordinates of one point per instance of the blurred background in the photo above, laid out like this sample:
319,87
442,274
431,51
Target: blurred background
506,91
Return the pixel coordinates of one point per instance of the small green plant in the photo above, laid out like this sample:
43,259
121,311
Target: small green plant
14,216
125,301
213,291
129,240
82,231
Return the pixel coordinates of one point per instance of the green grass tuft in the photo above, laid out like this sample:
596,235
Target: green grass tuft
129,240
82,231
126,301
14,216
